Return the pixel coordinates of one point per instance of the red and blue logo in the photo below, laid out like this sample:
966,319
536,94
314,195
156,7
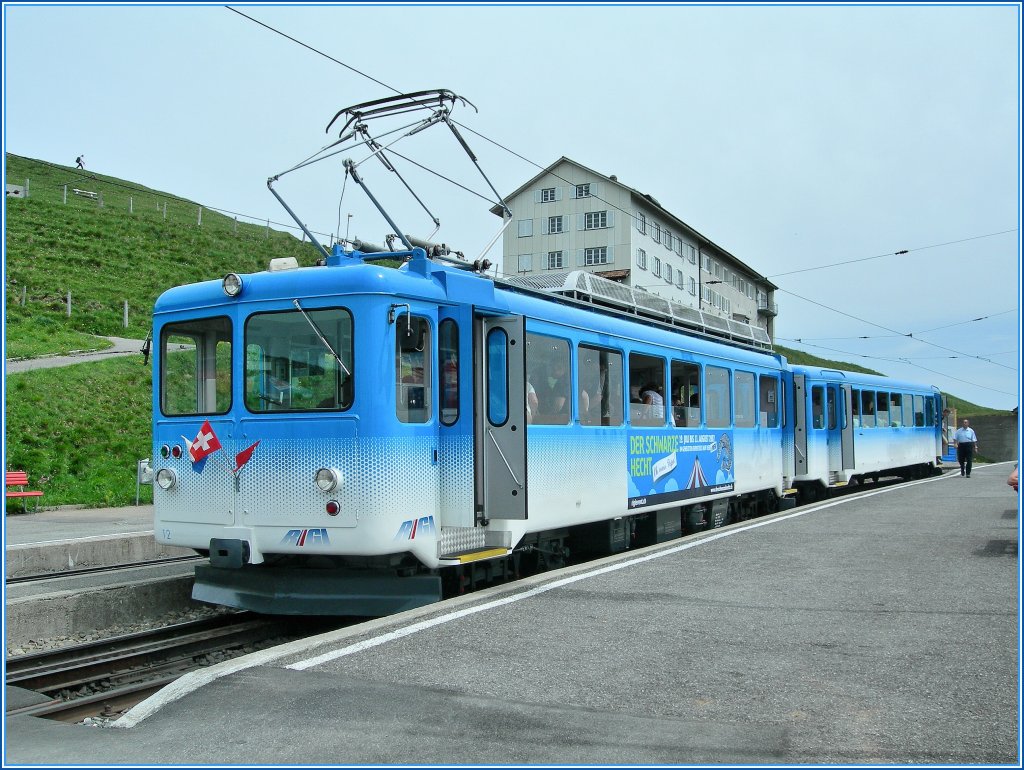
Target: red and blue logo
303,537
414,528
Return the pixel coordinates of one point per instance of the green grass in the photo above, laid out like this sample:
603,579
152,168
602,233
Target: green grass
806,359
106,255
84,426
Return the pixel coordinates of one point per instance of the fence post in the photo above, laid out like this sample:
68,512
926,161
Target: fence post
268,228
200,216
126,314
100,198
65,193
23,292
69,303
131,205
26,188
165,209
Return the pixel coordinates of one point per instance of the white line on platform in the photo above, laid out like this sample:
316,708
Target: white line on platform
196,679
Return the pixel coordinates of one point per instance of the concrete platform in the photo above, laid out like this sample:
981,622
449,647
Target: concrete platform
877,629
51,542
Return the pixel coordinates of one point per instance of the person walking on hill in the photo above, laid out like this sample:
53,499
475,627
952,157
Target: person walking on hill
966,441
80,162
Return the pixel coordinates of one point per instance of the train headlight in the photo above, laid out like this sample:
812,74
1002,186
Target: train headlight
166,478
327,479
232,284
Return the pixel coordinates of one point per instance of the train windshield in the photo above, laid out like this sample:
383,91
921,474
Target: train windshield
288,366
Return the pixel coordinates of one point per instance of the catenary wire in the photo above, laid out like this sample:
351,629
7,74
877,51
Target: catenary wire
903,251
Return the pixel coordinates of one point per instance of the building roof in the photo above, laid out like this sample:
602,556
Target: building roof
497,210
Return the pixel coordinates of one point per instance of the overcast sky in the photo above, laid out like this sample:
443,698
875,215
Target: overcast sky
793,137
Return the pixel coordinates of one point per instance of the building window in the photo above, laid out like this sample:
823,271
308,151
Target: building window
641,223
598,256
692,254
641,259
583,190
656,232
693,286
555,261
656,267
680,279
525,228
525,263
679,246
554,225
547,195
668,273
667,240
595,220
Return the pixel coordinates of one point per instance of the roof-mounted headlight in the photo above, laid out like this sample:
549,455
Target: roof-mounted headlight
232,284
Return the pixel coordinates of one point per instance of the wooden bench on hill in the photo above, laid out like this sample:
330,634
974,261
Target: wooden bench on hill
20,479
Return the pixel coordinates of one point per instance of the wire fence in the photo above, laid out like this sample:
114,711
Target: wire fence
110,193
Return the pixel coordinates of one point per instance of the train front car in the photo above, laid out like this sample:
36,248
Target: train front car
340,438
288,447
849,427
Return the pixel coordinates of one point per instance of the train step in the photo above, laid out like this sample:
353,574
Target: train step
474,554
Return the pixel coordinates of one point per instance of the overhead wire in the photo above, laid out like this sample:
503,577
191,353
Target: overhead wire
894,332
890,254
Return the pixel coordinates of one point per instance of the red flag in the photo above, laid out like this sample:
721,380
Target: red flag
243,457
206,443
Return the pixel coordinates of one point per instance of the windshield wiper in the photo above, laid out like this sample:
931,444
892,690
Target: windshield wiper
323,339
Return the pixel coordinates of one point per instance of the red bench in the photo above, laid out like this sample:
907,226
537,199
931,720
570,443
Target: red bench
20,479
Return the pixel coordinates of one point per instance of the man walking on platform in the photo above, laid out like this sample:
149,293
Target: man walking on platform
966,441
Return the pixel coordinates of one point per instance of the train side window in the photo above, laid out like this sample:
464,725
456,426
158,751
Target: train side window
195,367
867,408
547,373
685,394
930,412
600,385
918,411
769,401
882,415
646,390
745,401
896,409
413,377
717,397
497,377
855,407
818,406
448,363
908,410
832,413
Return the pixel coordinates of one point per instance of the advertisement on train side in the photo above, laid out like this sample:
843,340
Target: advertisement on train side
666,467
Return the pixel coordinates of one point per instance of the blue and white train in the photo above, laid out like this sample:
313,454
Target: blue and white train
356,439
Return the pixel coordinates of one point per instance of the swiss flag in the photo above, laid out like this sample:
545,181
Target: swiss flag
206,443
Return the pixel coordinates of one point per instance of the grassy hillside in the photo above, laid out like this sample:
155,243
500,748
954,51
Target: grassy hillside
806,359
124,250
85,426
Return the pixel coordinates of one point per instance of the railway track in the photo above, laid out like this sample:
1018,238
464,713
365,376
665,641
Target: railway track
72,573
105,678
